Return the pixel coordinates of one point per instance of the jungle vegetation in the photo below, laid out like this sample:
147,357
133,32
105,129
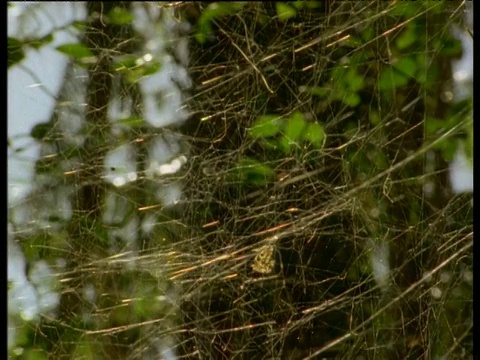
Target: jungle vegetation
316,217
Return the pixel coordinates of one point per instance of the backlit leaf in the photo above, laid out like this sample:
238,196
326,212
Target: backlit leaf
120,16
315,135
254,172
406,66
265,126
391,79
294,127
75,51
15,51
285,11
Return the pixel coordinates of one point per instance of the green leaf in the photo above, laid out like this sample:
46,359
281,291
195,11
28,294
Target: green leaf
338,73
120,16
203,31
318,91
346,78
362,57
254,172
299,4
132,121
311,4
138,72
406,66
433,125
450,47
285,144
214,11
427,74
351,99
41,131
75,51
435,7
266,126
38,43
150,68
379,159
293,131
294,127
374,117
285,11
353,42
406,9
15,51
355,82
219,9
270,144
35,354
446,148
368,33
406,38
134,67
79,25
390,79
315,135
125,62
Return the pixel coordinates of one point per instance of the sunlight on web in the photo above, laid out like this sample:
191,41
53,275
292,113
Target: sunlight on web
281,192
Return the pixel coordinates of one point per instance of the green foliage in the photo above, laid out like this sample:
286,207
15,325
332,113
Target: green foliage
288,10
35,354
315,134
362,92
16,47
285,11
120,16
132,122
293,132
266,126
251,171
391,79
287,133
405,9
428,74
134,68
448,46
77,51
408,37
345,84
41,131
435,127
126,62
214,11
435,7
347,79
398,74
38,43
79,25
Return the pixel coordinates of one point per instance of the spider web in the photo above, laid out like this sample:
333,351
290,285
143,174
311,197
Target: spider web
332,251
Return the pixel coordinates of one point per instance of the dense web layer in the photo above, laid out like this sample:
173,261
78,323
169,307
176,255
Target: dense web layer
299,209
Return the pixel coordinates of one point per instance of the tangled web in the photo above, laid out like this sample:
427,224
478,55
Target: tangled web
312,214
